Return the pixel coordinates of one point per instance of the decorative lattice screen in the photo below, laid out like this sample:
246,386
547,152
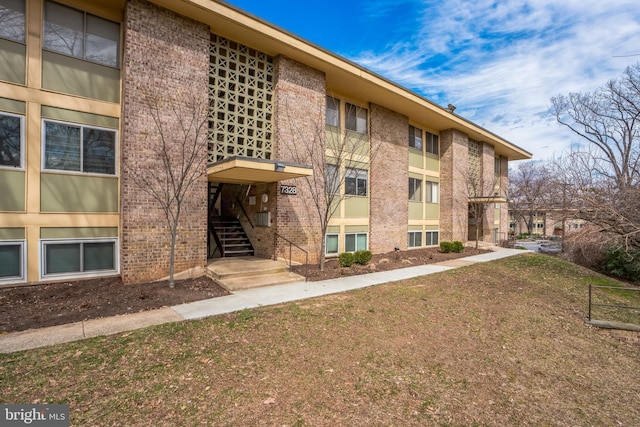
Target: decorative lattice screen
241,99
474,168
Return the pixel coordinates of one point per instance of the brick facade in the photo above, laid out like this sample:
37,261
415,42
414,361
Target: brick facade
166,57
300,97
454,158
389,211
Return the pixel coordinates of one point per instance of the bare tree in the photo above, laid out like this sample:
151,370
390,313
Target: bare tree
179,150
340,159
529,186
604,177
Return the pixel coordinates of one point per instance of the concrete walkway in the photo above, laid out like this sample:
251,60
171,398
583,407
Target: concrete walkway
238,300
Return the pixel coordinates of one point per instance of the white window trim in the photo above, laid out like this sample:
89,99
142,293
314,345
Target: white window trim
100,273
356,233
23,262
22,141
422,241
435,191
331,254
82,127
425,237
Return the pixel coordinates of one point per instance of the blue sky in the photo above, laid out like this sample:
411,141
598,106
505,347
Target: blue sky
498,62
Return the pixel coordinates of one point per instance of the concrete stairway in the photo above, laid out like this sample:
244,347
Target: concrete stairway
250,272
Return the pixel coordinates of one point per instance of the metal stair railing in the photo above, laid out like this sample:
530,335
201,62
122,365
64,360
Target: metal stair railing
291,244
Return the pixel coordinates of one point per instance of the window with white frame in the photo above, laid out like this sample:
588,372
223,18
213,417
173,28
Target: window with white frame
415,138
415,189
12,261
431,238
331,244
356,118
333,111
82,35
355,182
431,143
432,191
78,257
78,148
11,140
355,242
12,20
415,239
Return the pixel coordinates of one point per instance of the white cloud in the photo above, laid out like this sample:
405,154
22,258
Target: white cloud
500,62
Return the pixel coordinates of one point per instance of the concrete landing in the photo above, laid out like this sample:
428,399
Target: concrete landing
250,272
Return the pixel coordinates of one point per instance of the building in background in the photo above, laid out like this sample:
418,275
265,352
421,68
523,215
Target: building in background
74,77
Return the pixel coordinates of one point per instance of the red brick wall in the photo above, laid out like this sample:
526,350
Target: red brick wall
389,206
454,199
166,56
300,131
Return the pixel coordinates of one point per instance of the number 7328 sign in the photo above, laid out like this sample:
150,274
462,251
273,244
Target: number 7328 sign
290,190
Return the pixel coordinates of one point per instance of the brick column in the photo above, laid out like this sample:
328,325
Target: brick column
389,205
489,183
166,56
454,199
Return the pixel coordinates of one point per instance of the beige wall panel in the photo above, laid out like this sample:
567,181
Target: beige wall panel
356,228
77,77
12,185
76,193
13,62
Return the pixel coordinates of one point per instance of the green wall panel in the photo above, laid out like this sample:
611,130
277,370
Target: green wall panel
432,163
415,210
356,229
78,232
12,184
77,193
13,61
432,211
9,233
78,117
415,159
12,106
356,207
77,77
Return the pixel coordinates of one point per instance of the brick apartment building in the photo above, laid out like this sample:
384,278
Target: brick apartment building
76,130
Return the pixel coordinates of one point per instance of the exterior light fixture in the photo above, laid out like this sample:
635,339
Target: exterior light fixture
279,167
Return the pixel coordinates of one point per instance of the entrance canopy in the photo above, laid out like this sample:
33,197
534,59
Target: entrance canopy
247,170
488,199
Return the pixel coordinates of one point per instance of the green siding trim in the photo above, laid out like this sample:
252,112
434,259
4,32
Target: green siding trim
432,163
416,176
78,232
432,211
78,77
415,159
415,210
333,229
12,233
12,184
356,229
415,228
432,227
79,118
77,193
356,207
13,57
13,106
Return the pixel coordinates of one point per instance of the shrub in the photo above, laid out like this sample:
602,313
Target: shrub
362,257
346,259
446,247
457,247
622,263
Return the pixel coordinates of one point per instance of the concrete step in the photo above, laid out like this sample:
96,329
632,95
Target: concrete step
243,272
255,281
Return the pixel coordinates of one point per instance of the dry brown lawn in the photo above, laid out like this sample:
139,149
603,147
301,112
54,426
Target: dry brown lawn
498,344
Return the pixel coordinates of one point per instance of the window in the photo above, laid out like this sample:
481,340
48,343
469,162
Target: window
333,111
415,138
11,141
356,182
431,143
356,118
415,239
331,244
76,33
79,148
415,189
12,20
79,258
432,191
332,179
12,261
355,242
431,238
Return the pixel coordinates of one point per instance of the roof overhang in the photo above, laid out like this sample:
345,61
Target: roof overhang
246,170
488,199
